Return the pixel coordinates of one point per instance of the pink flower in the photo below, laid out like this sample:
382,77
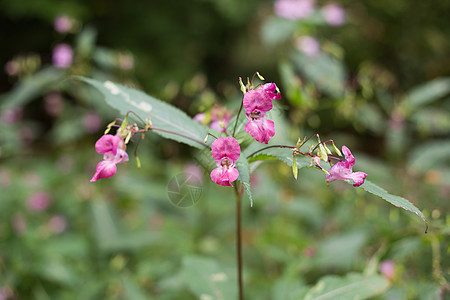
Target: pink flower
308,45
294,9
343,170
62,56
92,122
38,201
387,269
62,23
334,14
226,152
109,145
260,128
256,104
57,224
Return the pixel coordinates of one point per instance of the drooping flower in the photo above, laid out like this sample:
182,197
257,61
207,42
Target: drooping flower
226,152
62,56
294,9
110,146
334,14
343,170
256,104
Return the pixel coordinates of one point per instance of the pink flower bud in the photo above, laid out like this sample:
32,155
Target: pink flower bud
62,56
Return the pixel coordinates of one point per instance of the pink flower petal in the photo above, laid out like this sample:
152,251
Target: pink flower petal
226,147
224,176
261,130
105,169
107,143
271,89
257,100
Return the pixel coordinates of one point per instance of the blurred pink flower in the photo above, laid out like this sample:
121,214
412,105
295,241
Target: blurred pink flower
53,104
387,269
334,14
294,9
19,223
308,45
38,201
57,224
226,152
62,56
125,62
5,178
193,173
201,117
11,115
92,122
343,170
62,23
220,116
6,293
12,68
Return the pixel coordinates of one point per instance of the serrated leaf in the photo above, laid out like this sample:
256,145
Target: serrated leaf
394,200
207,280
352,286
244,175
285,155
162,115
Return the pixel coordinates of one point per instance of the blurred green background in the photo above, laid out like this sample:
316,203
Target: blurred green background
378,83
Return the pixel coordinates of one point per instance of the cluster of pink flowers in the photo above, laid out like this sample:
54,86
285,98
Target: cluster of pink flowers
256,104
226,150
113,149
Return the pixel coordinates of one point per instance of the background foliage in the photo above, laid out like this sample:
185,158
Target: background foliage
380,85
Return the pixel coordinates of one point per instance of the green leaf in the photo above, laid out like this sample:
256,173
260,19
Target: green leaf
162,115
207,280
31,87
426,93
277,30
285,155
394,200
352,286
429,155
326,72
244,175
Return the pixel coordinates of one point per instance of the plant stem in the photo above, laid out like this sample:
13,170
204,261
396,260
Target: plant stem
179,134
237,118
238,243
268,147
